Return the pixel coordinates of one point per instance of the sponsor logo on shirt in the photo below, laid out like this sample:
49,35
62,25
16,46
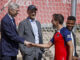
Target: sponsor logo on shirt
68,36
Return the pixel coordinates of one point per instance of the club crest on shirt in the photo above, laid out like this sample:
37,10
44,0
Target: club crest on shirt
57,35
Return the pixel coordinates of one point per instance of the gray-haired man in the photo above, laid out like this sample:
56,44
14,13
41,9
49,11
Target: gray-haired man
9,35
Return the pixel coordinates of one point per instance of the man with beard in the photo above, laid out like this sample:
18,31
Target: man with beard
30,29
71,20
61,39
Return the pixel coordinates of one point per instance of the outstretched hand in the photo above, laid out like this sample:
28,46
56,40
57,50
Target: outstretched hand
75,58
29,44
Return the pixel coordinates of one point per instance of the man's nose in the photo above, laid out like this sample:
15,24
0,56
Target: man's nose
33,12
70,25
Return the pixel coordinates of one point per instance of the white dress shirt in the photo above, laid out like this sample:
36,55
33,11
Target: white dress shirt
73,43
35,30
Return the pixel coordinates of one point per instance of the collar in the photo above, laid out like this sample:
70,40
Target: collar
59,29
31,20
10,16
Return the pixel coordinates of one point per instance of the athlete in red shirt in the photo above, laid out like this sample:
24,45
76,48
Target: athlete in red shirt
60,38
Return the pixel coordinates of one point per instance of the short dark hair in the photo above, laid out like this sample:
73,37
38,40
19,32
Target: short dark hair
58,17
71,18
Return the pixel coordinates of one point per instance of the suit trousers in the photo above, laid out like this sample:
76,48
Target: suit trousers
32,57
4,57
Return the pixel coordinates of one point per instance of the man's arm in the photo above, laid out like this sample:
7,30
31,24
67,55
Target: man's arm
70,45
10,32
75,58
45,45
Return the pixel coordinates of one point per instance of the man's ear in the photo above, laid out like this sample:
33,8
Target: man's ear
57,22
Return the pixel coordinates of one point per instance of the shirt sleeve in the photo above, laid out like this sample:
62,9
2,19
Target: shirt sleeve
67,36
52,40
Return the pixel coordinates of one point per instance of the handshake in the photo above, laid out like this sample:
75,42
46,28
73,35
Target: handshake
29,44
45,45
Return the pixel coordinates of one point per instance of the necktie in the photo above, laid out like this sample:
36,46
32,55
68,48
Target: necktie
12,21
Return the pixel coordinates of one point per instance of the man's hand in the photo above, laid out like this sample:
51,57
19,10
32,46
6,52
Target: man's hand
75,58
28,44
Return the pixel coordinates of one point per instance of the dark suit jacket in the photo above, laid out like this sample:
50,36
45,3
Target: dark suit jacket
74,36
9,37
25,30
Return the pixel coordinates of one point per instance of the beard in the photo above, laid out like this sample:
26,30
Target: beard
33,16
54,27
70,28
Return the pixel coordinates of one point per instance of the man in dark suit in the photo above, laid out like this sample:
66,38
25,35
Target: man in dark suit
30,29
0,40
9,35
69,25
